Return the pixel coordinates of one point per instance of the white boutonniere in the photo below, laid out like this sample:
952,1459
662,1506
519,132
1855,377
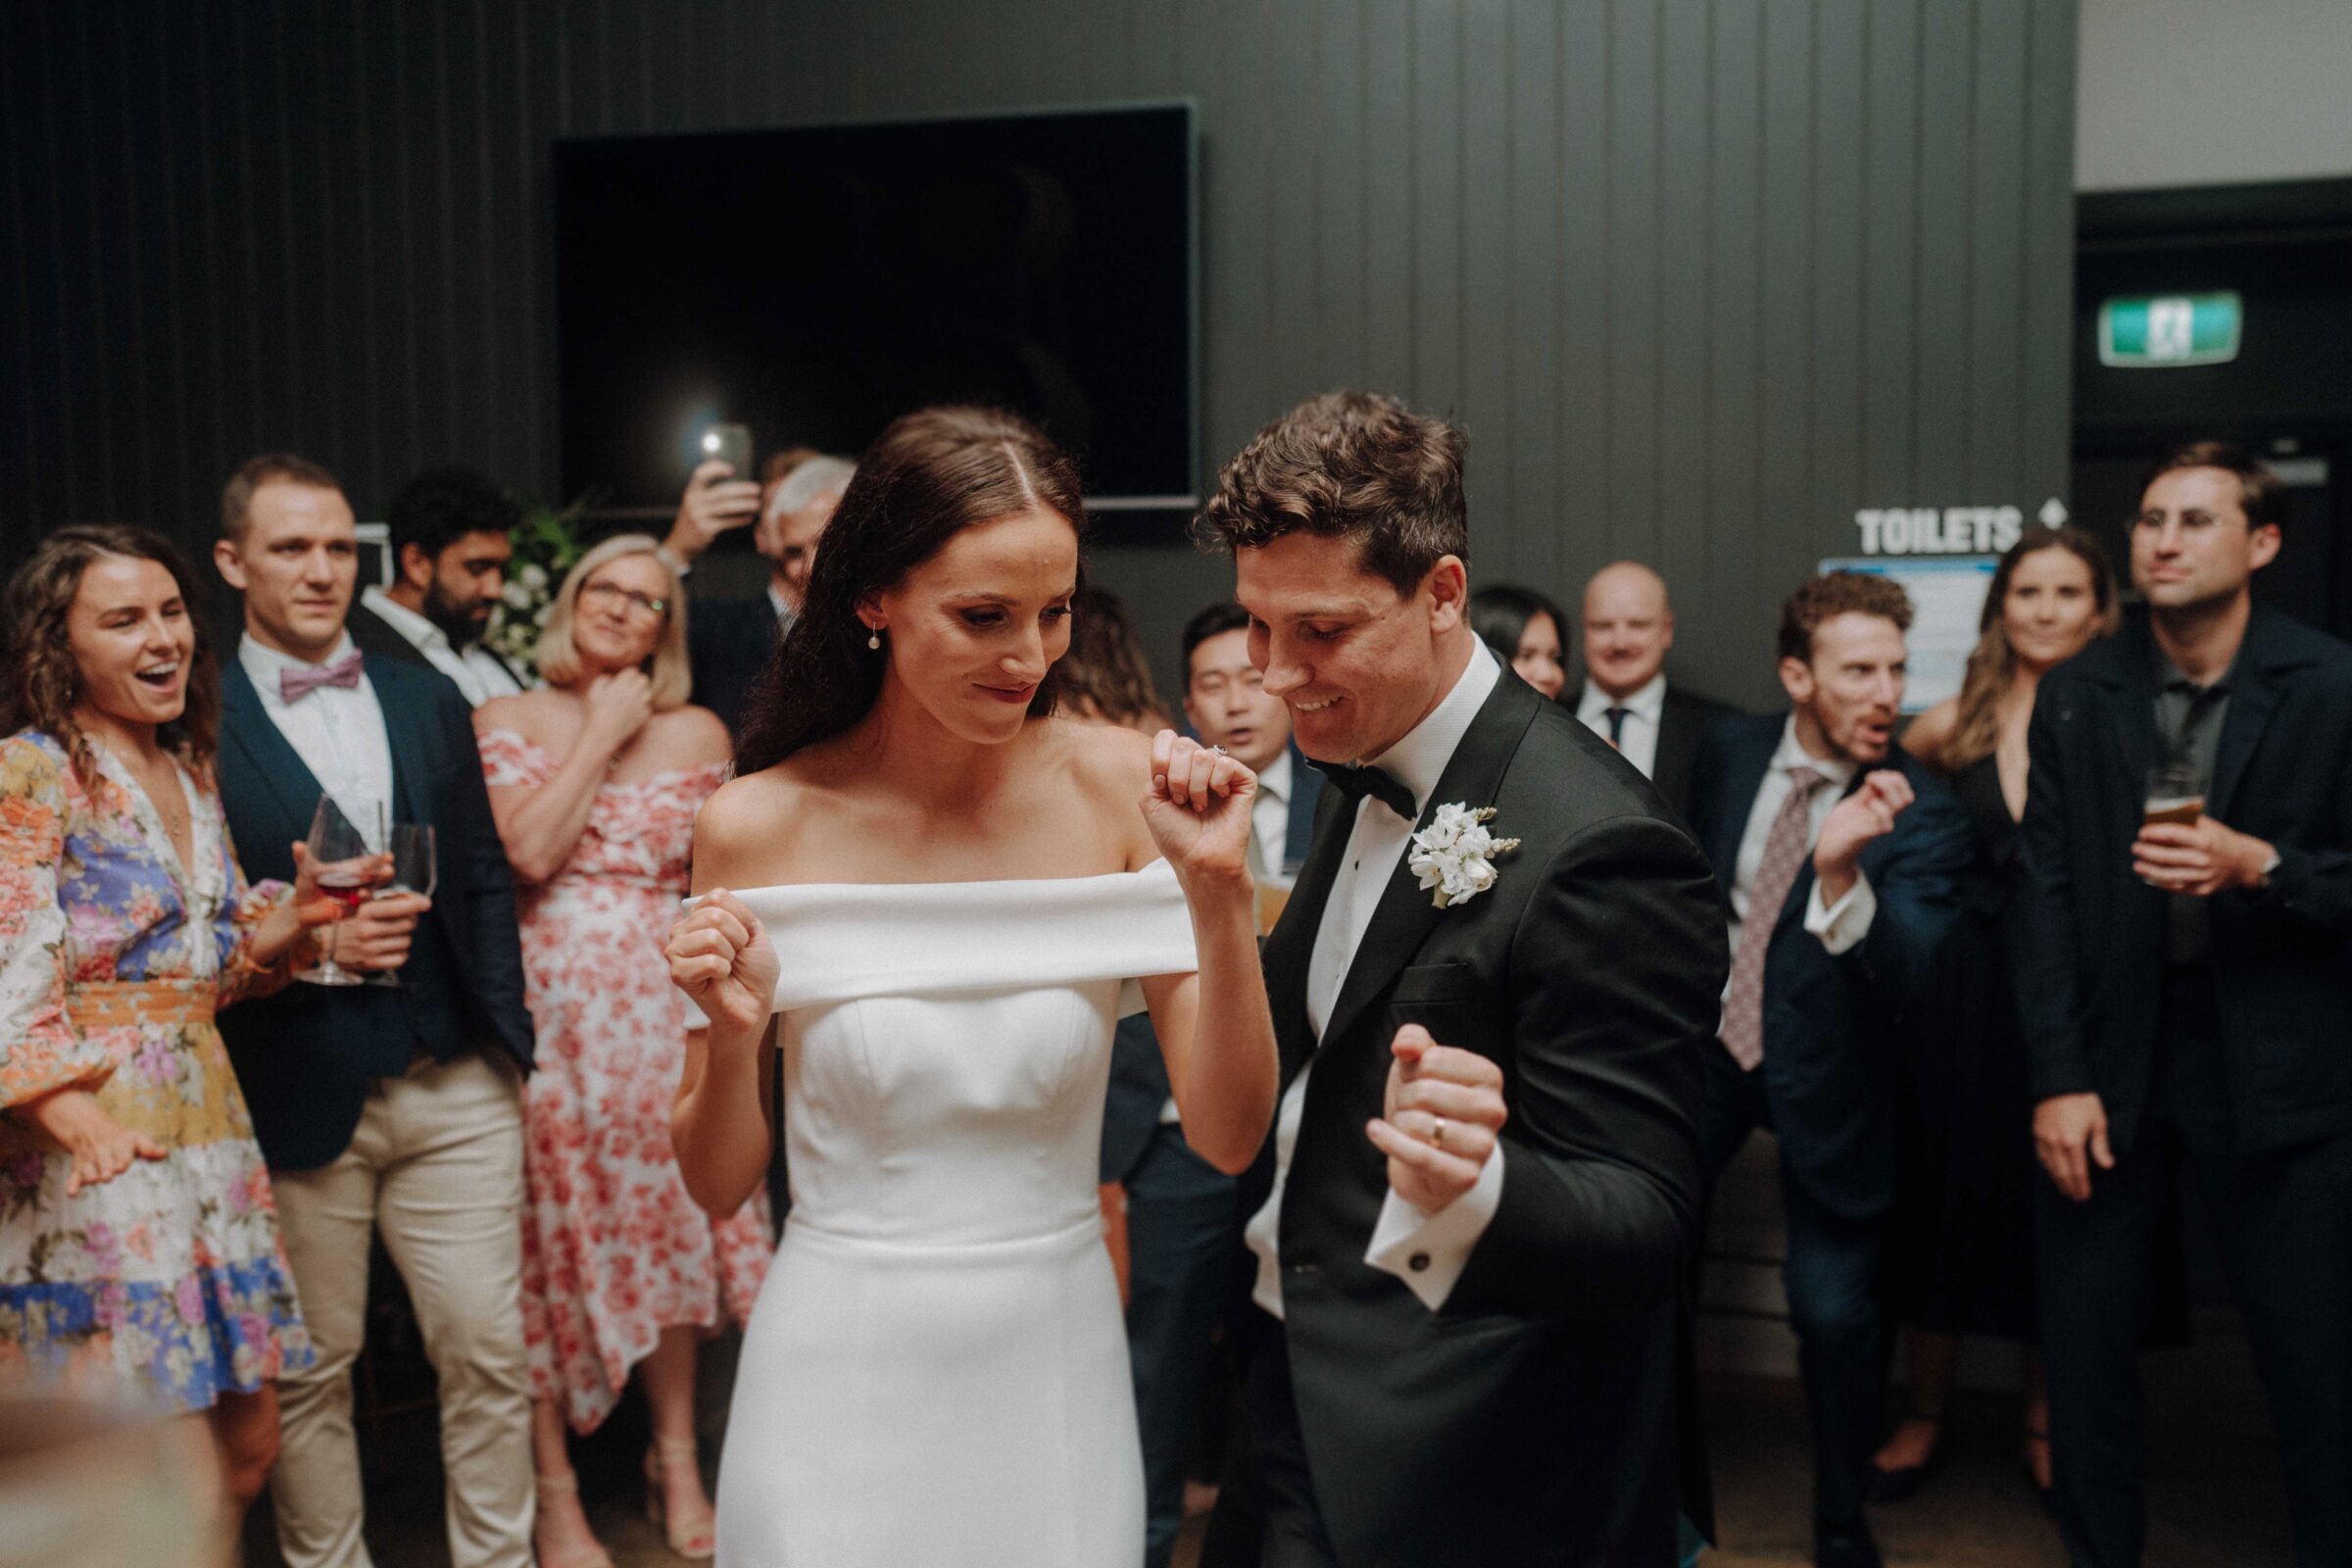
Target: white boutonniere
1454,855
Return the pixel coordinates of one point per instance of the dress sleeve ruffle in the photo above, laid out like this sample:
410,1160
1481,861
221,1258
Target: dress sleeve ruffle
40,1052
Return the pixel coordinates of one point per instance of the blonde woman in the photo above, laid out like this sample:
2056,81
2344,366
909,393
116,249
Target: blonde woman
595,781
1959,1254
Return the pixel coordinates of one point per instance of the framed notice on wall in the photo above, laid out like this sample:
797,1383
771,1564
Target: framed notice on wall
1947,596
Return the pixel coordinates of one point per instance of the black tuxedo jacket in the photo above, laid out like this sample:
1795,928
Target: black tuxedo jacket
728,642
370,634
1683,725
1540,1417
1831,1023
2089,934
307,1056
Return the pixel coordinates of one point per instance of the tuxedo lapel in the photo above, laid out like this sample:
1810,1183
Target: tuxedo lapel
1292,945
247,725
1402,919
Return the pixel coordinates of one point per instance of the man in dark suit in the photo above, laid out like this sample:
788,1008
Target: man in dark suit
2186,987
393,1110
450,552
1627,697
1478,1200
1838,856
729,640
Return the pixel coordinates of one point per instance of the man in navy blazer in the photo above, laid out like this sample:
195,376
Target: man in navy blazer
1839,852
393,1108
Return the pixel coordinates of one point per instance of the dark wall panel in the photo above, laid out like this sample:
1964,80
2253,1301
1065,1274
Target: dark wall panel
1700,276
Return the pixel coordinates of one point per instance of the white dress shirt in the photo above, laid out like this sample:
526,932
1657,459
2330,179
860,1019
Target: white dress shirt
478,672
1270,818
1644,710
337,731
1375,850
1838,925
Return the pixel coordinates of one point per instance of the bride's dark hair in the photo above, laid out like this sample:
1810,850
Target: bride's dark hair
927,477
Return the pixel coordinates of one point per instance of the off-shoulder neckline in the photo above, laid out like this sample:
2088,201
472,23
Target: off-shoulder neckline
1158,866
553,760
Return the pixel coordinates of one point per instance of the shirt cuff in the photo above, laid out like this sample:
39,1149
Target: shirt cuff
1845,922
1429,1251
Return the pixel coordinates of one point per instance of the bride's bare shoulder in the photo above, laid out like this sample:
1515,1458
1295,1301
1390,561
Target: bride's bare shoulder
1110,767
749,820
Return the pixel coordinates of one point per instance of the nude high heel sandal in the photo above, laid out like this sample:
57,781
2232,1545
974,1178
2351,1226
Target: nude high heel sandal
560,1488
694,1540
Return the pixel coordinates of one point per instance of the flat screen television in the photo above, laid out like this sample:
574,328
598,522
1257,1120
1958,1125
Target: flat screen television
814,282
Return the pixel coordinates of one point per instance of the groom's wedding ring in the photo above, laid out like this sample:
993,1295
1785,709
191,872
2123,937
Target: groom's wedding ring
1216,751
1436,1134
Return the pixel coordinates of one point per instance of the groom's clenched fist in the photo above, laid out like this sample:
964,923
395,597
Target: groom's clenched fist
1440,1119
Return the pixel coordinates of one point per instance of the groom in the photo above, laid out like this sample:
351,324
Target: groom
1483,1182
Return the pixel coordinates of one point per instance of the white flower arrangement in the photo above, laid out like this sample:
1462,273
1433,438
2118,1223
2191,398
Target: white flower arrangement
1454,855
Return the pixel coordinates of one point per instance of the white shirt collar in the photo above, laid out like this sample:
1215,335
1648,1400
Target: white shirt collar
421,632
779,604
264,663
1647,700
1791,752
1275,781
1418,760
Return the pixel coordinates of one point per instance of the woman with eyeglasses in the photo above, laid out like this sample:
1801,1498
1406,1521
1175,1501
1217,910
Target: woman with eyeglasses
595,781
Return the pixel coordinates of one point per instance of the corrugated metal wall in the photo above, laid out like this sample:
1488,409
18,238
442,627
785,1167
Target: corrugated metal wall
1700,276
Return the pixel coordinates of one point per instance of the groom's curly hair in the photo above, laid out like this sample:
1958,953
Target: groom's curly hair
1349,464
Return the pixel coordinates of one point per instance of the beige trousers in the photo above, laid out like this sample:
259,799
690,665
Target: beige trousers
436,1164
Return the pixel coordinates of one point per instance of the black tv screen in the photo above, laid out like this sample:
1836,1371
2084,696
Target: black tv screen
813,283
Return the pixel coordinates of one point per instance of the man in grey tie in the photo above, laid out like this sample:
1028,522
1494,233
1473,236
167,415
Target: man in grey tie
1837,854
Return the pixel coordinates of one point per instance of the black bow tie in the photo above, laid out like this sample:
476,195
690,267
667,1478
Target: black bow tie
1357,782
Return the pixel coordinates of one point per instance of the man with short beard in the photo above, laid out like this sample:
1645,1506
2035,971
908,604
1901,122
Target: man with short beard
450,552
1838,856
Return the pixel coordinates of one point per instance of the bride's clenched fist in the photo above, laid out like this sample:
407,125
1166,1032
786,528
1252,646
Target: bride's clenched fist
719,955
1199,807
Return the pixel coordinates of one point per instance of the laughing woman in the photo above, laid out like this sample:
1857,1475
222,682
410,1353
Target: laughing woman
139,1252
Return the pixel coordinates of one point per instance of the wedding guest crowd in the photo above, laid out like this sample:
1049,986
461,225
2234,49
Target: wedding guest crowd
1989,997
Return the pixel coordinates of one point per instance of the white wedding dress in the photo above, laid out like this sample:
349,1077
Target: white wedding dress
936,1372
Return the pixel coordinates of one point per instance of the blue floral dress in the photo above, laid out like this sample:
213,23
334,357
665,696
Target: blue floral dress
168,1281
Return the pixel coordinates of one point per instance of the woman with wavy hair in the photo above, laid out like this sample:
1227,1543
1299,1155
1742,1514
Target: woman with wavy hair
1960,1248
140,1249
921,903
595,779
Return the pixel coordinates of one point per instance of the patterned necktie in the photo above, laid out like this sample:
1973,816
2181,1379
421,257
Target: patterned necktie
1784,857
294,684
1357,782
1616,719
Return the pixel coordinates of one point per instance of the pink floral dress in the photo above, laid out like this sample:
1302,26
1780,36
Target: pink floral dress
613,1249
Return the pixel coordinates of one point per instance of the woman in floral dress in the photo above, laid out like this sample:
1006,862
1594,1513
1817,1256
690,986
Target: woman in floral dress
595,780
139,1250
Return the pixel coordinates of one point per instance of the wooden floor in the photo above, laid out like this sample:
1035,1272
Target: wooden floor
2214,1494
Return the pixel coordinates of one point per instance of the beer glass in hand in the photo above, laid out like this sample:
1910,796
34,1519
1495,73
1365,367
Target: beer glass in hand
342,853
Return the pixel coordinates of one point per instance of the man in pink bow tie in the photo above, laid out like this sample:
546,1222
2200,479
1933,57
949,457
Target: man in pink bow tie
394,1107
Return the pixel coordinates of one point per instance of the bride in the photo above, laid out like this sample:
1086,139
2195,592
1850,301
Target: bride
920,905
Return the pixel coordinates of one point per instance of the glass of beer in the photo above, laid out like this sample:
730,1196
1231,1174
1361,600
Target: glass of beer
2174,794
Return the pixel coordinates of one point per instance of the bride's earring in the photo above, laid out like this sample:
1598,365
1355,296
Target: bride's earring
873,638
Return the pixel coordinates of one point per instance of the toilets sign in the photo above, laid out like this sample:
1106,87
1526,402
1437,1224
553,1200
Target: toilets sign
1948,531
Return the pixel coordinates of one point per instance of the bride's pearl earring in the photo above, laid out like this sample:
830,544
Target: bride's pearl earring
873,639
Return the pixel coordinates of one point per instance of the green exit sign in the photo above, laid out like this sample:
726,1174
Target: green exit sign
2159,332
